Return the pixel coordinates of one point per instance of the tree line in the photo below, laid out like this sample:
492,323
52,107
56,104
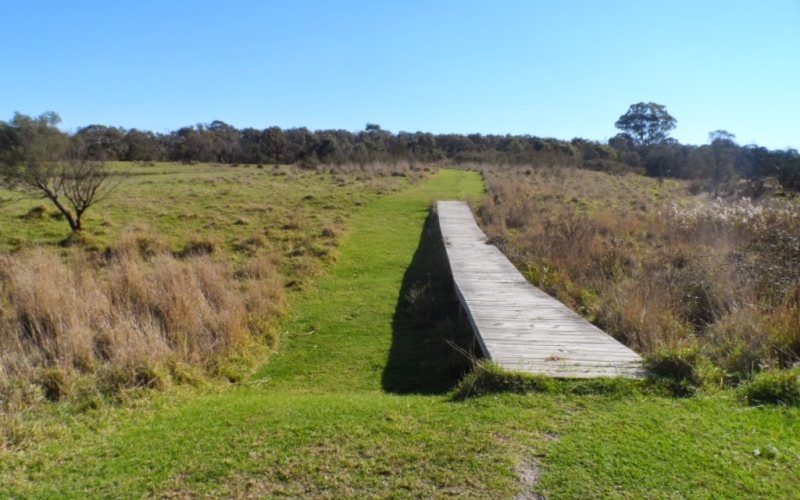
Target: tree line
643,145
650,151
40,159
218,142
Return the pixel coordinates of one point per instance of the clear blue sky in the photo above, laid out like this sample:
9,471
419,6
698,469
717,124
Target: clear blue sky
549,68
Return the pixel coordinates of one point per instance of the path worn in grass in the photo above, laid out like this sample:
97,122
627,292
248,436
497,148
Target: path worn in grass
317,422
339,338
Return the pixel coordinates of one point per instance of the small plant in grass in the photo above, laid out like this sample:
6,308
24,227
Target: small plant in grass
675,369
37,212
488,378
81,239
774,387
198,246
133,374
56,383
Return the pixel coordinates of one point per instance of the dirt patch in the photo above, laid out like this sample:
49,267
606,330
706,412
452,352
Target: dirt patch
528,473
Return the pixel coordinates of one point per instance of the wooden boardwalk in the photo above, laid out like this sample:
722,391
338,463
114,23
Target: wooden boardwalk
518,326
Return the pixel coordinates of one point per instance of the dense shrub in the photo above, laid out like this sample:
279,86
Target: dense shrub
774,387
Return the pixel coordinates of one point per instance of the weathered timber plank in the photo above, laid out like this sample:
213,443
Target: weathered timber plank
577,372
562,347
561,344
555,366
554,360
558,367
517,325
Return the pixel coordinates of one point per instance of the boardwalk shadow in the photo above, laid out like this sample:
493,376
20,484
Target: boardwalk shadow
429,340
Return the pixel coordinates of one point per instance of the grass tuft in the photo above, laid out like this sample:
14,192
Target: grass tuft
37,212
487,378
675,370
780,387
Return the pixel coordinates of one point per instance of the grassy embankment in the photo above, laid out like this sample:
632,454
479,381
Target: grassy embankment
331,415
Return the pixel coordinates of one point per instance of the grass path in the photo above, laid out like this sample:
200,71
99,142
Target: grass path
316,421
351,314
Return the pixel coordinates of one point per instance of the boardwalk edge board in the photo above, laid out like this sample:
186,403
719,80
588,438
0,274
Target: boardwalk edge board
518,326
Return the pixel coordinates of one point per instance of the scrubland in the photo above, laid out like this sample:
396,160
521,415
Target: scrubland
707,290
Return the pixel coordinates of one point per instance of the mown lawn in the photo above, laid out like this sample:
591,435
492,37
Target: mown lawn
328,417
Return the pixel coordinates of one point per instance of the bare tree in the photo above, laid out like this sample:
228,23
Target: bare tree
40,161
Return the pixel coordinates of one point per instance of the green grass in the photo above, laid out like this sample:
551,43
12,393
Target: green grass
325,417
351,315
243,210
661,448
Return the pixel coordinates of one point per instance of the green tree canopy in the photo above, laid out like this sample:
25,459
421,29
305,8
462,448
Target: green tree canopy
647,124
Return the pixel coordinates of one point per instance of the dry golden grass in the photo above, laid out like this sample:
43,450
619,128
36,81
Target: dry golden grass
660,273
128,316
